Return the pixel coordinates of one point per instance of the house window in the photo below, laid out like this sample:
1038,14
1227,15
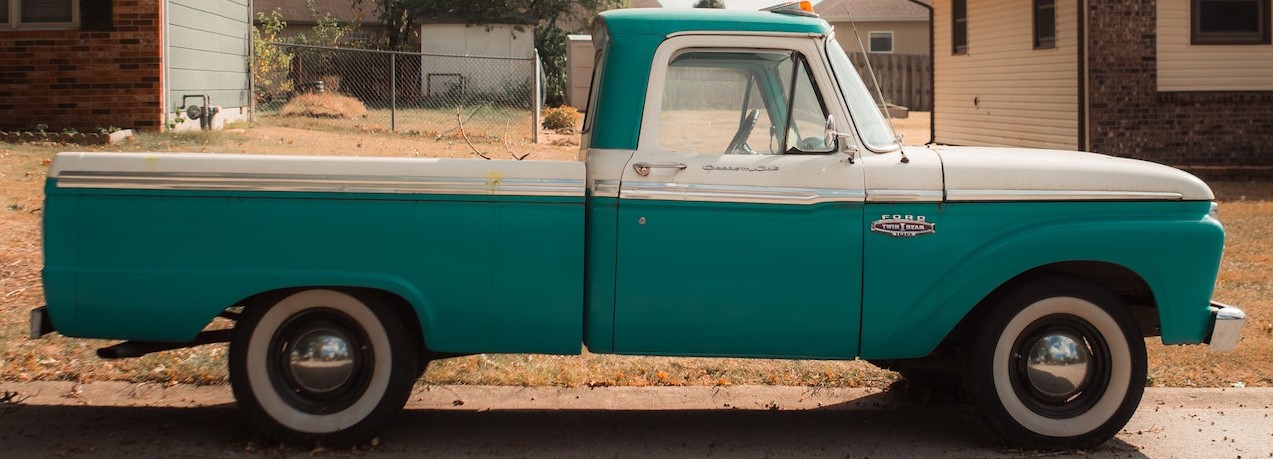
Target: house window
1044,24
39,14
1229,22
959,26
881,42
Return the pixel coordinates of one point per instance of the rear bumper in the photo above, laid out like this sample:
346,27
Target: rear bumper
1226,327
40,323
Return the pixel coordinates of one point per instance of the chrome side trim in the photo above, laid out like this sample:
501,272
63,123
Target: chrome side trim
495,186
903,196
1060,195
737,193
605,188
1226,327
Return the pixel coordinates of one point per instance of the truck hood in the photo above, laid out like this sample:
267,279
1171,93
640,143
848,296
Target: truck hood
997,174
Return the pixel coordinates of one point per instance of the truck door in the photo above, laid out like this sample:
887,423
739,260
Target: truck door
739,228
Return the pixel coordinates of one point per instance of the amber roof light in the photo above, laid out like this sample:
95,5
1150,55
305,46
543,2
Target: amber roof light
803,8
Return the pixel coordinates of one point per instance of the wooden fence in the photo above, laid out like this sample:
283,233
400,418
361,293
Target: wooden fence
905,79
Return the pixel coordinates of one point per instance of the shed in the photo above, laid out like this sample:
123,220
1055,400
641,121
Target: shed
579,57
475,58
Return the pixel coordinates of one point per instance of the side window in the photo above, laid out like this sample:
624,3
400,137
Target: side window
600,41
959,27
720,102
1044,24
40,15
1229,22
806,131
881,42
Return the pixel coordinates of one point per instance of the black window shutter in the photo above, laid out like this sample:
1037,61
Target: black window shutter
97,15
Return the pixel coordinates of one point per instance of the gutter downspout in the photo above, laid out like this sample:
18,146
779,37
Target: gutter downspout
932,67
164,70
1083,144
251,64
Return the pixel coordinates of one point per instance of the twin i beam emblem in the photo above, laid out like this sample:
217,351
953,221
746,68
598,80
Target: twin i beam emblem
903,225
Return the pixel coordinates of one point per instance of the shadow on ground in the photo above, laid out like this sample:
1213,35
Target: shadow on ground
835,431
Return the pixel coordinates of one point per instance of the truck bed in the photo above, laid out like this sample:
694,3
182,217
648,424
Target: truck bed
147,246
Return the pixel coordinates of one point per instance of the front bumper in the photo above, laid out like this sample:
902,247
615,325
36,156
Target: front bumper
1226,327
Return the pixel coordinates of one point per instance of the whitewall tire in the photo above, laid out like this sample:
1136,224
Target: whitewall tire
1059,363
322,366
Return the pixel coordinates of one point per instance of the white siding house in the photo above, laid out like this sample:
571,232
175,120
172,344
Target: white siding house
1001,90
207,54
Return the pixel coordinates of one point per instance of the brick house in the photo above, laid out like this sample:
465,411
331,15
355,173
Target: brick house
1182,82
89,64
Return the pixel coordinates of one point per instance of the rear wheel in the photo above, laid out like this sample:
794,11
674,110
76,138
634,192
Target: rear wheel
322,366
1059,363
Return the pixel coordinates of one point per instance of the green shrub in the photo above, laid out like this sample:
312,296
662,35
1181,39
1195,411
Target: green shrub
562,117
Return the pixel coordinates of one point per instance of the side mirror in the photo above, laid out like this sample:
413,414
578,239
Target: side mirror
830,136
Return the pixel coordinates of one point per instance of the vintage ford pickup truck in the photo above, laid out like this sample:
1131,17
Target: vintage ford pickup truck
739,194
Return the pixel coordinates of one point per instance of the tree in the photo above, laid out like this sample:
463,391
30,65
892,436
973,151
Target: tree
399,16
270,64
399,19
718,4
530,12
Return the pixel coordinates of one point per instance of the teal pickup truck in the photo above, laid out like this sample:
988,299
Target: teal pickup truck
738,194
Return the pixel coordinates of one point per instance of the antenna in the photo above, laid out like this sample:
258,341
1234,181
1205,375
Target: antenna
879,92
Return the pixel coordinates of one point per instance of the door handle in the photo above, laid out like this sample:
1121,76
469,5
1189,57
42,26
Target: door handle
643,169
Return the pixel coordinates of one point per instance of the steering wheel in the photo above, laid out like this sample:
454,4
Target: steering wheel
744,130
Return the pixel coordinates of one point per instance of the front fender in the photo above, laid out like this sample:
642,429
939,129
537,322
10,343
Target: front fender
917,289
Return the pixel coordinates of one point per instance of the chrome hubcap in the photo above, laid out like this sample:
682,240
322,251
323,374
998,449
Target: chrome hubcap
1058,365
320,361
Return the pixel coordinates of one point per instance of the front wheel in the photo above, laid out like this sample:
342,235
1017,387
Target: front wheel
322,366
1059,363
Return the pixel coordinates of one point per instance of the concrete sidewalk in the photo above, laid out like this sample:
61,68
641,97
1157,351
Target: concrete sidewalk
751,421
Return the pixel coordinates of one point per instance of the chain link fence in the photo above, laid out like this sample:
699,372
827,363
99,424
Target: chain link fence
486,98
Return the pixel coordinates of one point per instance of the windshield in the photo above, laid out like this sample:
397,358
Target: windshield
875,131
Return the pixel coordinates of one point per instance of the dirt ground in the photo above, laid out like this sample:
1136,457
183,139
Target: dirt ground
149,420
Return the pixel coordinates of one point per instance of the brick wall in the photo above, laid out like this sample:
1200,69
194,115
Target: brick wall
85,79
1129,117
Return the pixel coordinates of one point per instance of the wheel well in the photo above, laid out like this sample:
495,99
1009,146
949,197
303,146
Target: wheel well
399,304
1124,283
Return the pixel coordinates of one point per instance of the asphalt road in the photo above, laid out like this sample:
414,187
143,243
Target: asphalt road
147,420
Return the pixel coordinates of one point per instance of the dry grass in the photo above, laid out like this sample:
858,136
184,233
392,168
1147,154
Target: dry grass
326,105
913,128
483,123
597,370
1246,279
